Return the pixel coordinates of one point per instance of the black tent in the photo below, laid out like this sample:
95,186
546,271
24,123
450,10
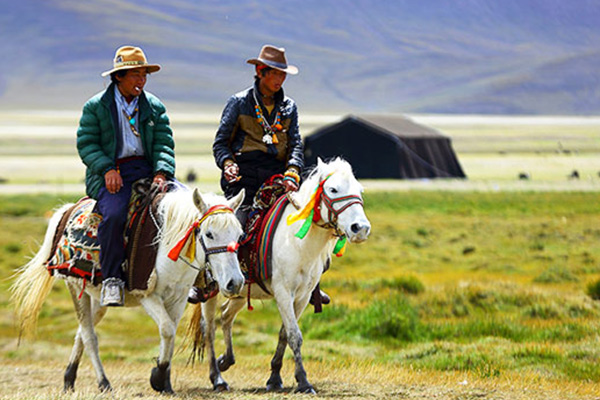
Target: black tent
385,146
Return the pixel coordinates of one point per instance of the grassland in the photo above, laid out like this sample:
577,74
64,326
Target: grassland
456,295
470,289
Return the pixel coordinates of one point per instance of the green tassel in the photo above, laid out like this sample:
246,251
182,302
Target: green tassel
339,245
305,226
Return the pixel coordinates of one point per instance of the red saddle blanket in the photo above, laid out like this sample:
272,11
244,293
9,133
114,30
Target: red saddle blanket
255,251
76,249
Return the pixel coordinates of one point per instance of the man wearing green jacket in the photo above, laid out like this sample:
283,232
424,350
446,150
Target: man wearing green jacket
123,136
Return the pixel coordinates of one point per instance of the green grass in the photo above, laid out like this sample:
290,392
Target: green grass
489,283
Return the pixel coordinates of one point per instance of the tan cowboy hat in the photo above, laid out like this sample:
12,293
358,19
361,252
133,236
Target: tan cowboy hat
129,57
273,57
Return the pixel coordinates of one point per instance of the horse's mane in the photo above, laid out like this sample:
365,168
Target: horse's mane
178,212
319,172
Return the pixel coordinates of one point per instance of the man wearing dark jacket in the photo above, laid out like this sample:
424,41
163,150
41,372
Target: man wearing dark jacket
123,136
258,135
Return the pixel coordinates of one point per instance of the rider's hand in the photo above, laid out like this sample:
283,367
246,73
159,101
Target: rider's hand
290,186
291,179
159,180
231,172
113,181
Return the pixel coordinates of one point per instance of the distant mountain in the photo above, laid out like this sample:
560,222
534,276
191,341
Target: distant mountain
438,56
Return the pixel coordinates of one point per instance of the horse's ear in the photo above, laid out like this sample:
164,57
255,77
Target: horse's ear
321,168
199,202
236,202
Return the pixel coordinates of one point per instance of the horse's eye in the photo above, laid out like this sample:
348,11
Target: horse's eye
209,235
333,190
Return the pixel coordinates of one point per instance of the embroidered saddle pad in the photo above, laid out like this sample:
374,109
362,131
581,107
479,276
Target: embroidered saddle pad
76,249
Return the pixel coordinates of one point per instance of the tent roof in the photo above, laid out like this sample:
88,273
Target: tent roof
396,125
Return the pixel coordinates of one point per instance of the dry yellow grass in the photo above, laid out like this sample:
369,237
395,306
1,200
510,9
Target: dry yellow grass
355,380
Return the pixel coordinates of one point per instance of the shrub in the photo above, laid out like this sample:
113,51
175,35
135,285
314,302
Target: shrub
556,274
542,311
593,290
392,318
407,284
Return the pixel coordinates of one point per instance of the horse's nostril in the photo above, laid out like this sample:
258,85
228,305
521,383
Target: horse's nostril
356,228
230,286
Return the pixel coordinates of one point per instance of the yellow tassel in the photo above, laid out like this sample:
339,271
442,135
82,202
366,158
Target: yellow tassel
191,250
342,251
304,213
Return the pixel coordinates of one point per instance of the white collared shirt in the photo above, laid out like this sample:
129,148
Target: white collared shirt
132,144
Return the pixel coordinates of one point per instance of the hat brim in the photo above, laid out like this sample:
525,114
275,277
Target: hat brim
289,69
151,68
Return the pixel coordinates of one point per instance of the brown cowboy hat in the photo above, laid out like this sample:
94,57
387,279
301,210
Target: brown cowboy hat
273,57
130,57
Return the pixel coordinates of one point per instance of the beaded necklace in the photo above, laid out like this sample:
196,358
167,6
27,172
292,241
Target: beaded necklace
270,131
130,117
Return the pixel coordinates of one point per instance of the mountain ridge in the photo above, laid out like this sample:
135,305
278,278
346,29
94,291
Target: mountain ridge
403,56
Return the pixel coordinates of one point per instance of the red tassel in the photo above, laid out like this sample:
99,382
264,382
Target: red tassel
176,250
232,247
250,308
317,214
82,289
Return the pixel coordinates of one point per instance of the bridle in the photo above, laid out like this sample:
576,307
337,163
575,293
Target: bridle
332,213
232,247
194,230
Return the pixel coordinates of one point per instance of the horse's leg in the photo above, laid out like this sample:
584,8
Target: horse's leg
208,314
89,313
78,347
275,383
160,378
229,311
290,313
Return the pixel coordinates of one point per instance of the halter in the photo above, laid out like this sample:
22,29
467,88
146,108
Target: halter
175,252
332,213
312,213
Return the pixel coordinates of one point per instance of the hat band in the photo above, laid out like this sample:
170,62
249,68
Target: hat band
126,63
273,63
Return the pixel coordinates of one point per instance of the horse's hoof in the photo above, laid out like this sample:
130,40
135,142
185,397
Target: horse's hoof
224,363
274,385
104,386
70,376
160,378
221,387
306,390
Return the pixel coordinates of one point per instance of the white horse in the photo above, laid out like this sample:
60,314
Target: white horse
297,265
209,219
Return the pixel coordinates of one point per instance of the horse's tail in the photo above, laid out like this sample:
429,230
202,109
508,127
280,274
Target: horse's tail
195,330
33,282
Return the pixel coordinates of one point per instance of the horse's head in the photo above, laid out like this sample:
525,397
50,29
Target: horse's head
217,238
341,200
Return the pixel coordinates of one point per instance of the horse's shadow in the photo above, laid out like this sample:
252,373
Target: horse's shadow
207,392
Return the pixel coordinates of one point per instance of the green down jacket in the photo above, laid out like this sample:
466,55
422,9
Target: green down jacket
97,137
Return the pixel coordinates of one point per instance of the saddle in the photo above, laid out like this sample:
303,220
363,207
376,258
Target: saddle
75,249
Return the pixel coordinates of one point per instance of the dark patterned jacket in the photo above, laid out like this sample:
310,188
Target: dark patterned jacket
240,138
